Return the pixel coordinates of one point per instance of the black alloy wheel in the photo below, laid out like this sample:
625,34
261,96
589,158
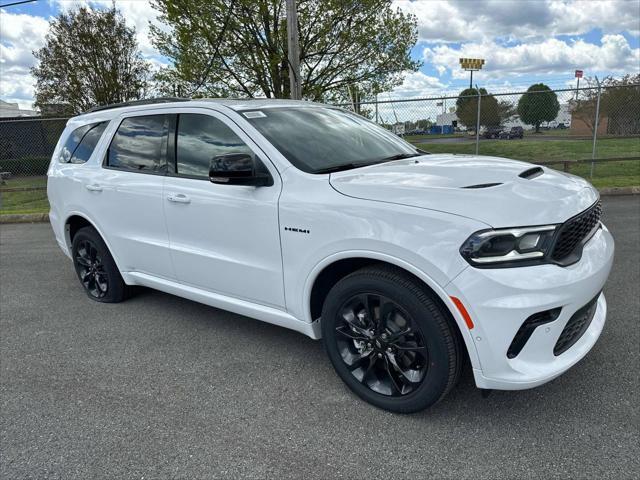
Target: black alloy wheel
381,344
96,269
390,340
91,272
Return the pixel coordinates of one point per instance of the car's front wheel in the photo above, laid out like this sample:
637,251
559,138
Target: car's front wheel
389,340
96,269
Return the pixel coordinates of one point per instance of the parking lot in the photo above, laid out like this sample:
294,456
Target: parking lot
163,387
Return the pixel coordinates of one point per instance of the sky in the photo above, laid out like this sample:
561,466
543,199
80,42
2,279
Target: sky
522,42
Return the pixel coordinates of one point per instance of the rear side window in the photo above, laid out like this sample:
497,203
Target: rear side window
140,144
88,143
81,143
201,138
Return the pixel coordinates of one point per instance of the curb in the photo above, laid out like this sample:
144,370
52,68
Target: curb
24,218
613,191
44,217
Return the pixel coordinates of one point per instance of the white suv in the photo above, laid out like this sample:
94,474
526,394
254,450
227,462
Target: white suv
315,219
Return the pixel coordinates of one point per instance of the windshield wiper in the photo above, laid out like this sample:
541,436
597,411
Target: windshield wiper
399,156
349,166
340,168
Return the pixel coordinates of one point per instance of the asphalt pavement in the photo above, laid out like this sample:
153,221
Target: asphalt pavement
161,387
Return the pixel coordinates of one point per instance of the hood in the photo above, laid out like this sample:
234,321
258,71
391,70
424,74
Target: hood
496,191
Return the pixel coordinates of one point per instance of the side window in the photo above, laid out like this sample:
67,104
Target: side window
88,143
201,138
76,141
140,144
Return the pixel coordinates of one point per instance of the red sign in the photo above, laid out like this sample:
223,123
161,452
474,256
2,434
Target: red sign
578,73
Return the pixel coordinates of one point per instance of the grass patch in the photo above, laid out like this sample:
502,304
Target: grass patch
26,201
606,174
542,150
609,174
24,182
420,138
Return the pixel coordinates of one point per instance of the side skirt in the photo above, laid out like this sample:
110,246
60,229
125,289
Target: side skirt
235,305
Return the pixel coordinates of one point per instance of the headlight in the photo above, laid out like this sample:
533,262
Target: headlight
504,247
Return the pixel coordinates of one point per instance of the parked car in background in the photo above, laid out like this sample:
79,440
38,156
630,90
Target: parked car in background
514,132
406,264
492,132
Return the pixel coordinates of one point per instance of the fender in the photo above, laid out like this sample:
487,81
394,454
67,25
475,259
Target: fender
94,224
438,289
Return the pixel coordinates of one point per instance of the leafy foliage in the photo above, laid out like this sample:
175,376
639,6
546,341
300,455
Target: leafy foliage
492,112
90,58
619,105
539,104
239,47
620,102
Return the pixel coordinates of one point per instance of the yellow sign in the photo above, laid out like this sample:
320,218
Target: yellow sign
472,63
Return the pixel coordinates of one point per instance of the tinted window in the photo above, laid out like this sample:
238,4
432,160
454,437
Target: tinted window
315,138
140,144
88,143
200,139
70,146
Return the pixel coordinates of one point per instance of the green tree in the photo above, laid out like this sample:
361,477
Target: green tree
90,58
467,108
239,47
620,103
539,104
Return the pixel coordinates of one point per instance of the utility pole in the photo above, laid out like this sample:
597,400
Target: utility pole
294,50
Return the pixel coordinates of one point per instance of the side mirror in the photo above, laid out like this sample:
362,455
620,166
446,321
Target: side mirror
238,169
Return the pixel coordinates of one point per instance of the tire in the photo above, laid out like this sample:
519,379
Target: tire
392,372
96,269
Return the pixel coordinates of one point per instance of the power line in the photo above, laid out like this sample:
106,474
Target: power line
17,3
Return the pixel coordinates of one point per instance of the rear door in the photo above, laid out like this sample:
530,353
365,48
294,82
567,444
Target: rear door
224,238
127,195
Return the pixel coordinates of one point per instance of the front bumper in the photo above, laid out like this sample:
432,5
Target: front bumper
500,300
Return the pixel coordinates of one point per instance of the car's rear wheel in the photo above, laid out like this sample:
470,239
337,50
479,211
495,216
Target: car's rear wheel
390,340
96,269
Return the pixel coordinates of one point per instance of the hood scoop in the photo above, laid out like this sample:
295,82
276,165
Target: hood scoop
483,185
532,173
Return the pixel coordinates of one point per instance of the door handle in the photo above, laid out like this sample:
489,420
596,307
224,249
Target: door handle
178,198
94,188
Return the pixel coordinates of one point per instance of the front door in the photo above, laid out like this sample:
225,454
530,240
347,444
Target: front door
223,238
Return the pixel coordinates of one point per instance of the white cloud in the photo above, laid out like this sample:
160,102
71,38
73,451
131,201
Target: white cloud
21,34
418,84
482,20
551,56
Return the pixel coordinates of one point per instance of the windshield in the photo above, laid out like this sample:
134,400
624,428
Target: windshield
320,140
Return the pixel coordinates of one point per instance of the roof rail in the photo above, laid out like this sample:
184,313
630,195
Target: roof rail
147,101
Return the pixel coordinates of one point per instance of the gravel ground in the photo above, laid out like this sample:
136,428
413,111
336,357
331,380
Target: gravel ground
161,387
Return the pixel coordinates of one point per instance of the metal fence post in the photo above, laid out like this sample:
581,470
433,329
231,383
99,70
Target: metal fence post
595,130
478,122
377,108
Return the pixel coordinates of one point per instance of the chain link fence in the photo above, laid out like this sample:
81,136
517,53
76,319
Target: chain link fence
593,132
26,146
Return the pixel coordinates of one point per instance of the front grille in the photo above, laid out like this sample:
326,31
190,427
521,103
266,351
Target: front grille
575,327
573,232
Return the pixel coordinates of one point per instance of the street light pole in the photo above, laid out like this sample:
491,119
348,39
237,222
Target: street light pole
294,50
471,65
